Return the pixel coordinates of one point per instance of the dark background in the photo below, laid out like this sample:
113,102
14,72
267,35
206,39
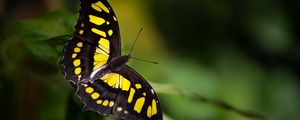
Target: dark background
245,53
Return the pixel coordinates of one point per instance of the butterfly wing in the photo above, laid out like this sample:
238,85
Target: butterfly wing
125,94
96,41
141,100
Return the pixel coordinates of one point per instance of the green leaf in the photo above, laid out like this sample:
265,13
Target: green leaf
38,34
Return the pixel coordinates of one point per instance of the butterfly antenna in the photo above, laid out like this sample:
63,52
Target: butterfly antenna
148,61
135,40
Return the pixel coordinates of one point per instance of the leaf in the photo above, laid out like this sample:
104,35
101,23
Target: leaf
38,34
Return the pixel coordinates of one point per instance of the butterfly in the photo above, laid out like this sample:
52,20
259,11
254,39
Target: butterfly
92,61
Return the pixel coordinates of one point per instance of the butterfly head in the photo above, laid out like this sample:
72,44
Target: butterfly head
127,57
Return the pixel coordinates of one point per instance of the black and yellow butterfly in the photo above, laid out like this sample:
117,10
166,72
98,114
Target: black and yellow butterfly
92,61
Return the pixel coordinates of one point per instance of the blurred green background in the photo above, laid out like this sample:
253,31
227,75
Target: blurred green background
245,53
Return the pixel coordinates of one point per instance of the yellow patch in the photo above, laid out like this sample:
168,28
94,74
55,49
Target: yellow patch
79,44
74,55
112,81
131,94
139,104
138,86
149,112
82,24
76,62
81,32
119,108
110,32
77,49
154,108
106,77
77,70
126,112
102,6
99,32
96,20
152,91
95,95
99,102
125,84
96,7
144,93
85,85
89,90
105,103
99,60
104,45
116,81
111,103
107,22
115,18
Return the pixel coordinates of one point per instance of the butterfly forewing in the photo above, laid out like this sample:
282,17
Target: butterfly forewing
96,41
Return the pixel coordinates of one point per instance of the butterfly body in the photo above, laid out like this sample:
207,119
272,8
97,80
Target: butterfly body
118,63
92,61
114,66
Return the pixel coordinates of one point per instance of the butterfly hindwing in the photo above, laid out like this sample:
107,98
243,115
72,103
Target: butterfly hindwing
141,101
127,95
97,97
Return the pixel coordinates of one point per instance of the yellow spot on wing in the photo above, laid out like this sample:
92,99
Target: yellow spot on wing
77,49
111,103
112,81
99,60
107,22
104,44
115,18
119,108
99,32
77,70
138,86
81,32
116,81
131,94
79,44
99,102
102,6
85,85
76,62
110,32
96,20
74,55
95,95
105,103
125,84
96,7
89,90
149,112
152,91
154,108
139,104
